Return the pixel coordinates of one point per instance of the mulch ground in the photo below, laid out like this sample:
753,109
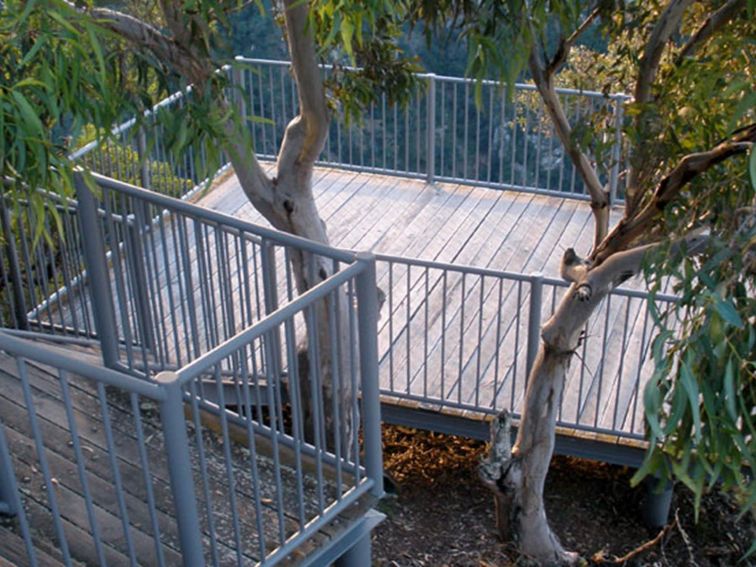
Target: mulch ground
441,515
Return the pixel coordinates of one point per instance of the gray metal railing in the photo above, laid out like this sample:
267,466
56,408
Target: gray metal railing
252,480
465,338
181,280
504,141
443,135
39,276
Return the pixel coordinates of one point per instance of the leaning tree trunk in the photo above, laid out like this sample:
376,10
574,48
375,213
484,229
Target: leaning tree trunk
287,202
517,474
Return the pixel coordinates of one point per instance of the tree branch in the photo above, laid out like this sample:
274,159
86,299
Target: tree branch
621,266
143,35
565,45
665,26
544,80
713,23
312,101
628,230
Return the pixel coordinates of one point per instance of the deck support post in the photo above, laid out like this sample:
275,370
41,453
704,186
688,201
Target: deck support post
359,555
431,126
534,321
180,470
367,319
95,262
658,501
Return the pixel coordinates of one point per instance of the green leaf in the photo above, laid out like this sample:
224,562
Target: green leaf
691,389
347,32
30,82
729,390
28,113
651,464
95,44
41,40
752,166
728,312
62,21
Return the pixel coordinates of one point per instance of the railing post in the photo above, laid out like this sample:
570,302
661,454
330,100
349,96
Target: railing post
8,487
619,104
14,267
534,320
95,262
144,172
136,262
270,293
367,322
180,469
431,126
237,82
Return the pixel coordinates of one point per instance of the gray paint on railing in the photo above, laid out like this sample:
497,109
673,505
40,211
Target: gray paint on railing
99,279
180,470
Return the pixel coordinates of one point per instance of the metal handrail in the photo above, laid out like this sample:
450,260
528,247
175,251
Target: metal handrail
268,323
449,78
26,349
188,209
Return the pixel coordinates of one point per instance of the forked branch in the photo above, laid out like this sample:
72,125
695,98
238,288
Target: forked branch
629,230
565,44
543,75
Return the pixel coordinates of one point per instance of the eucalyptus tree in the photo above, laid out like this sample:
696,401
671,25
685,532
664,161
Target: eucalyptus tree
70,65
689,214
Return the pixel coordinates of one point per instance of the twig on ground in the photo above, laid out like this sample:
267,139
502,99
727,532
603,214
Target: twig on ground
686,539
646,546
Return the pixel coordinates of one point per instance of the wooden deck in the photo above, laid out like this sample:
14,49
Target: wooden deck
505,230
98,465
457,338
443,335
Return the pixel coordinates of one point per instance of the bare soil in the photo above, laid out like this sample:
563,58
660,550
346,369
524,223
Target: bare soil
442,516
